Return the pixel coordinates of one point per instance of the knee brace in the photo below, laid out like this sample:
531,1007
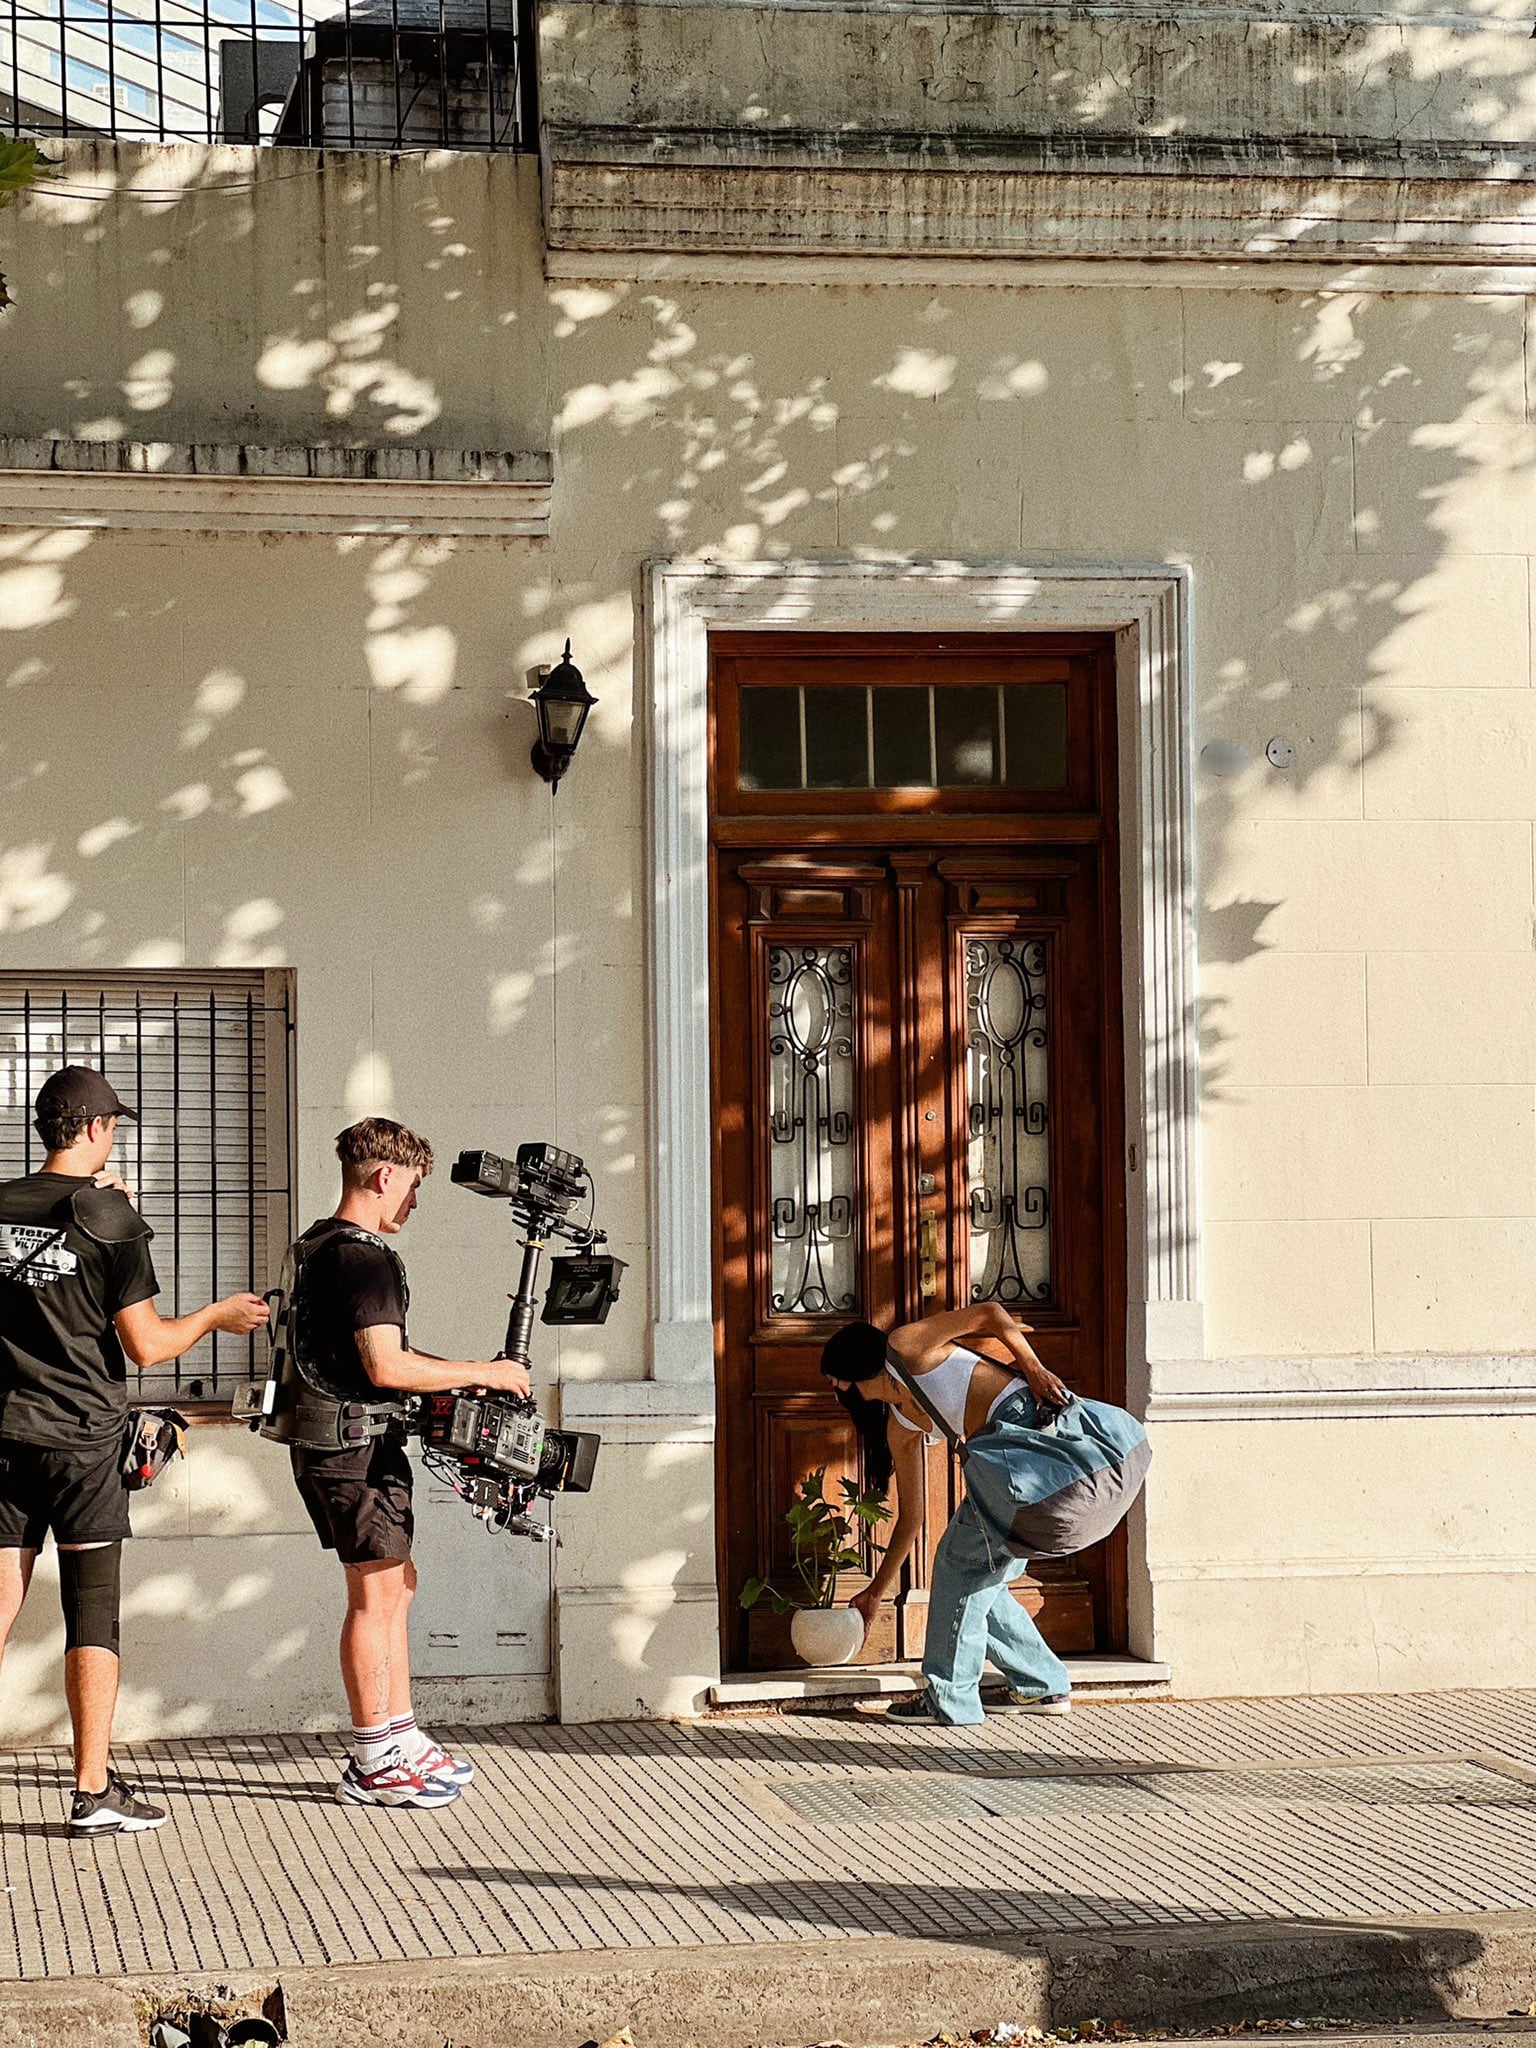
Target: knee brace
90,1585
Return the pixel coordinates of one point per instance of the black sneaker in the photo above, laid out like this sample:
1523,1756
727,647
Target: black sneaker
1031,1703
117,1811
917,1706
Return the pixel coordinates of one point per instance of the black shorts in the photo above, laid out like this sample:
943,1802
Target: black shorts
360,1500
78,1494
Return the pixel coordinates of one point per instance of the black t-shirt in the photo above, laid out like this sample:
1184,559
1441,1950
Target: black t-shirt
63,1377
346,1285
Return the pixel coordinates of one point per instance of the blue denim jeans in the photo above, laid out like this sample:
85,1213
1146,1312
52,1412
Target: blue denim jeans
971,1613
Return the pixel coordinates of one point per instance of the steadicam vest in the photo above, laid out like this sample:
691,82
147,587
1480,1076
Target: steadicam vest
311,1411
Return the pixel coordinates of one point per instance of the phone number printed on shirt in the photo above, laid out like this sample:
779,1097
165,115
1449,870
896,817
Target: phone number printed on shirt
27,1255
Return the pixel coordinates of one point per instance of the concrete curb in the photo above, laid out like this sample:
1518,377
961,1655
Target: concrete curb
859,1991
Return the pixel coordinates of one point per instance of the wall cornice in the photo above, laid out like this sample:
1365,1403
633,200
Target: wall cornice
1418,1385
1244,1571
227,487
659,196
1221,133
1263,273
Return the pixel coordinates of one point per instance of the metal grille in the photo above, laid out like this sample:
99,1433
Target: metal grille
339,74
1009,1148
206,1060
813,1162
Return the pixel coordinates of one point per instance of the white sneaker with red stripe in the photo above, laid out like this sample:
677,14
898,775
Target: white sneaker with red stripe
393,1782
436,1762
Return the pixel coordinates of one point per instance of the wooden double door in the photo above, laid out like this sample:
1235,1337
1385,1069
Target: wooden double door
917,1074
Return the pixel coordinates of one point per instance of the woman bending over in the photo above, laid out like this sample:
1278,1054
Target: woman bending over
977,1368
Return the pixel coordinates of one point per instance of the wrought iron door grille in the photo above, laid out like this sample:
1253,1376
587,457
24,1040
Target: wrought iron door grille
813,1158
206,1060
1009,1150
331,74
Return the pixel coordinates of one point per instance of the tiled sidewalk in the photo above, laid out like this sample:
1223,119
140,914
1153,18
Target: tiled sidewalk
1146,1814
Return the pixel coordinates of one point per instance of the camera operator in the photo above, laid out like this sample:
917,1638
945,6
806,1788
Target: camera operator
77,1293
349,1308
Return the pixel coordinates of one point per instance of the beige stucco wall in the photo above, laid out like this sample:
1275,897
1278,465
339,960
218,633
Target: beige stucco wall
313,752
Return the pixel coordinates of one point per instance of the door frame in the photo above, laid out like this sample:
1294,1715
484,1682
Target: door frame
1147,608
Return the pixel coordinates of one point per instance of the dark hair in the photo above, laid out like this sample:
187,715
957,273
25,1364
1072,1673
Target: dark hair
857,1352
59,1128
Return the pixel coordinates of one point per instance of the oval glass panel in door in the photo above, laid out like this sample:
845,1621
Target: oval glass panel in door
812,1156
1009,1158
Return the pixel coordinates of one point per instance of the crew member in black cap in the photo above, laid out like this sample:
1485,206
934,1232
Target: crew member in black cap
77,1289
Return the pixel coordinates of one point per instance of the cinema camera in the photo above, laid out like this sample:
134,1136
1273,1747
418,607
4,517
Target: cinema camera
494,1450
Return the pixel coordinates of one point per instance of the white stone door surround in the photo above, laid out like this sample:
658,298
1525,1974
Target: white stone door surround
1147,608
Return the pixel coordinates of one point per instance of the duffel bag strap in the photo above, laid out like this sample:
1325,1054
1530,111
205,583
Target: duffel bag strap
990,1526
956,1441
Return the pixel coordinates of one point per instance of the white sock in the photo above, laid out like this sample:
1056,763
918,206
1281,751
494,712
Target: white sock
370,1746
405,1734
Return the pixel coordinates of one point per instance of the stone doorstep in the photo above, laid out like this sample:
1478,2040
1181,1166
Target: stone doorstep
1097,1677
860,1991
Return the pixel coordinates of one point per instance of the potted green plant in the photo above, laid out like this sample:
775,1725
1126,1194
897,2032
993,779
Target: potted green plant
825,1538
21,164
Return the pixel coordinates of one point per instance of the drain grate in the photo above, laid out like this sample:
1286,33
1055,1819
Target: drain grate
873,1797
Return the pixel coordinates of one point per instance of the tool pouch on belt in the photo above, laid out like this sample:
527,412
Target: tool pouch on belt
155,1436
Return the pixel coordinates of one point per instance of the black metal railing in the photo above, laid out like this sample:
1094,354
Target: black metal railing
337,74
207,1062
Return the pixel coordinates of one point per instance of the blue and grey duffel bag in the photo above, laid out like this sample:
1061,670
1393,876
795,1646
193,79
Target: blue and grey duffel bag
1048,1489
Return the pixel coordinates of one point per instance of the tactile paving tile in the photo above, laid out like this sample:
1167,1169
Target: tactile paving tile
1068,1797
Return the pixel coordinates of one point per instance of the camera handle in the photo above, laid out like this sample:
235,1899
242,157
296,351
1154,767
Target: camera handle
519,1339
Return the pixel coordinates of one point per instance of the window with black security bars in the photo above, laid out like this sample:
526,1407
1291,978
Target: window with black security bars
207,1061
309,74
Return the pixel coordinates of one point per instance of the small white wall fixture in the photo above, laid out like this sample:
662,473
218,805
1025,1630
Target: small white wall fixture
1147,609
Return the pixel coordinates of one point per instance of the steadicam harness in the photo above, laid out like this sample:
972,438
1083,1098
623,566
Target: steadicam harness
297,1405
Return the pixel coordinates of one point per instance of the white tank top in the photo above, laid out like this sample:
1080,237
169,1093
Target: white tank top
946,1386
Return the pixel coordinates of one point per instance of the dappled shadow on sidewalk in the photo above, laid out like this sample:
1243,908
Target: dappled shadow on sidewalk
796,1906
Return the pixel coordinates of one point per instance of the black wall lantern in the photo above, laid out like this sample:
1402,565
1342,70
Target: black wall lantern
562,701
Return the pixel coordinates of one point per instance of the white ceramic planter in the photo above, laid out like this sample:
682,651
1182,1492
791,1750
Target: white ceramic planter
827,1635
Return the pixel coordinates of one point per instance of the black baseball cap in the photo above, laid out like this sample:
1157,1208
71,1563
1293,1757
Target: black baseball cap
80,1091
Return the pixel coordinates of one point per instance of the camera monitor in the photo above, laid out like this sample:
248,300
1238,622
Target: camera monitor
582,1289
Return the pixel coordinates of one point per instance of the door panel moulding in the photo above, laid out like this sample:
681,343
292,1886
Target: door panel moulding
236,487
1146,607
